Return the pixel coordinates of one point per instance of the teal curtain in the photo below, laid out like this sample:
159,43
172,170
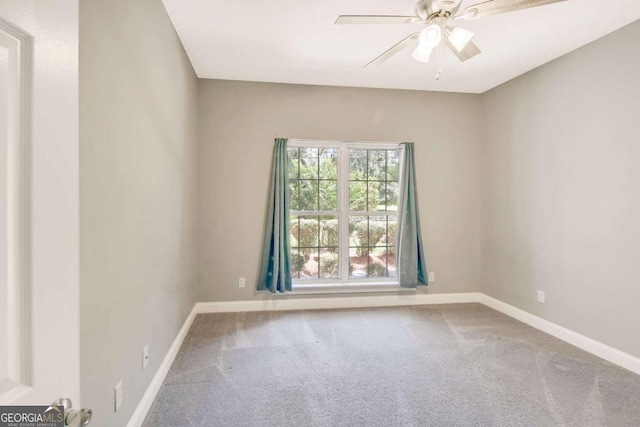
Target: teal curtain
411,262
275,271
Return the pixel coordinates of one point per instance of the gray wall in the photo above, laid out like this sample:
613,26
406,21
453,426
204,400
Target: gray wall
238,123
563,190
137,197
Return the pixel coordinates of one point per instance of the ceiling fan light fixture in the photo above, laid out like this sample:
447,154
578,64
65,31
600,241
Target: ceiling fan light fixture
459,37
422,53
430,37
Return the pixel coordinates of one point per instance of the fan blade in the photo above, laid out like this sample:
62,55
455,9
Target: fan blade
494,7
469,51
394,49
377,19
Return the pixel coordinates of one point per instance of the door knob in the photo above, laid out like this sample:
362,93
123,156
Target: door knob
74,417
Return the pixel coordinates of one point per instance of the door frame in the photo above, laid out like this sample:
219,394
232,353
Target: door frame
20,49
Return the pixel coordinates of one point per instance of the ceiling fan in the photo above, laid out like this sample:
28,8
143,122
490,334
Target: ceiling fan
436,15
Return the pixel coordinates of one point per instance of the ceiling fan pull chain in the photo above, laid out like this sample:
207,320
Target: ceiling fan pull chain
439,62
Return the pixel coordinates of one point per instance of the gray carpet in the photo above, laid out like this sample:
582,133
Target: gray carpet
446,365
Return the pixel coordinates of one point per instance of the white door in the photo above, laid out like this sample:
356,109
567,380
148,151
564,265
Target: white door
39,244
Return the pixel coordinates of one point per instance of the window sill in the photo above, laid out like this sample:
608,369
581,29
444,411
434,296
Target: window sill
352,288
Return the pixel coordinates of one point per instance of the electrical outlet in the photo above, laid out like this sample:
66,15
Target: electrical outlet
118,397
241,282
145,357
541,296
432,276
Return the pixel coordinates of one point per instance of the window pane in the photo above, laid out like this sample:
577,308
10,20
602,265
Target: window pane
328,163
357,196
377,231
328,195
310,265
308,234
392,196
390,242
294,195
308,243
358,250
294,229
377,263
297,263
393,165
358,262
376,196
308,195
392,231
391,262
294,164
376,168
357,165
308,163
319,263
297,259
373,166
358,231
328,264
329,233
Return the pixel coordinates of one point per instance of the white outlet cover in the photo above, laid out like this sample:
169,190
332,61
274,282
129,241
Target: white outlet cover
541,296
432,276
241,282
118,396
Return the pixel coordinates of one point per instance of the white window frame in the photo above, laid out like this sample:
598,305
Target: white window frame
344,283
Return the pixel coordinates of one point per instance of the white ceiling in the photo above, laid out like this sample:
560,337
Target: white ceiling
296,41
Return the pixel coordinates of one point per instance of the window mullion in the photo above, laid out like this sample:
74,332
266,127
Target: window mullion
373,213
343,212
314,213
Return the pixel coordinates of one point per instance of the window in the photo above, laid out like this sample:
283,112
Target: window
344,199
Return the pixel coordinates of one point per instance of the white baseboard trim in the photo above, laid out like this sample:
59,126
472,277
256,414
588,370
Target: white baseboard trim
587,344
141,411
277,304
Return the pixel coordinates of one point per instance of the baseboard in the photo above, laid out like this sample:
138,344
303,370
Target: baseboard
141,411
587,344
277,304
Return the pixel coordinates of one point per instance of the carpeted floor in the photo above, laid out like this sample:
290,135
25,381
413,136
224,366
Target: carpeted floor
446,365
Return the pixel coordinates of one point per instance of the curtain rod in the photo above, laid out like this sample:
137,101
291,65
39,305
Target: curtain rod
343,141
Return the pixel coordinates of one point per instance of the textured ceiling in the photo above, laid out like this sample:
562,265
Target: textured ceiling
296,41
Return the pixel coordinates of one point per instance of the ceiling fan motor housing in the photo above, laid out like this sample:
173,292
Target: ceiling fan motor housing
430,9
